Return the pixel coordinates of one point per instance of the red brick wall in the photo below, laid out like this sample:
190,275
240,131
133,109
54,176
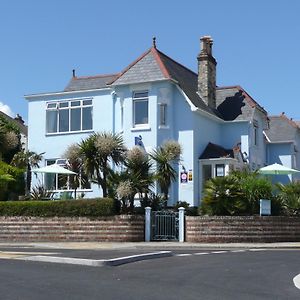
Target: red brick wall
122,228
242,229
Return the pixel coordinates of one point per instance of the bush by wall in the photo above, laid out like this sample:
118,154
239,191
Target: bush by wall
69,208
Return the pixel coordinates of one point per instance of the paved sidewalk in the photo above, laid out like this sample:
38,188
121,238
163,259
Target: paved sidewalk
148,245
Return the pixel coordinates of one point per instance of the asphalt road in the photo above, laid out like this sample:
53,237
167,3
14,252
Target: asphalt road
190,274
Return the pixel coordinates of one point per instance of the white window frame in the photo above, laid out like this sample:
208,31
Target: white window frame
255,133
56,180
56,106
163,114
136,99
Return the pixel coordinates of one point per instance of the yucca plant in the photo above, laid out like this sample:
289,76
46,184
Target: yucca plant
165,157
289,196
222,197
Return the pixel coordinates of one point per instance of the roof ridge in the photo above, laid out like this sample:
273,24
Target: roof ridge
291,122
95,76
130,66
162,66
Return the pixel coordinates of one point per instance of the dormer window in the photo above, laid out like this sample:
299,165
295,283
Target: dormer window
140,109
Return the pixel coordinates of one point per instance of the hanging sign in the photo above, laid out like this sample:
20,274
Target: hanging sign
183,177
190,175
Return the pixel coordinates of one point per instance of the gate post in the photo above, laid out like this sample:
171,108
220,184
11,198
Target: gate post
147,224
181,224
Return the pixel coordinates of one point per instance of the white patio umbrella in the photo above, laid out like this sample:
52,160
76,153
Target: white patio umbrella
53,169
277,169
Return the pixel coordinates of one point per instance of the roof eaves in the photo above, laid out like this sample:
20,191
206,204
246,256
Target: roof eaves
64,92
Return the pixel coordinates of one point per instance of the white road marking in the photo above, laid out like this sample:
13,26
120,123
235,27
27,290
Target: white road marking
236,251
296,280
257,249
218,252
201,253
184,254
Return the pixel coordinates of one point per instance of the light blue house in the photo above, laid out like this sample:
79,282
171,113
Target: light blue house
283,145
156,99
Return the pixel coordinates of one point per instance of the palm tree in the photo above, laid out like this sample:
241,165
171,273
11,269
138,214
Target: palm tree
136,178
27,160
72,154
165,157
97,151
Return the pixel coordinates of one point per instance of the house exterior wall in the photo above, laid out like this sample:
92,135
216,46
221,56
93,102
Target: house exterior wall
113,112
54,145
281,153
205,130
257,151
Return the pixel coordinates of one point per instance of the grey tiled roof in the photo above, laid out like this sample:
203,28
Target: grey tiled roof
145,69
216,151
187,80
281,129
233,103
89,83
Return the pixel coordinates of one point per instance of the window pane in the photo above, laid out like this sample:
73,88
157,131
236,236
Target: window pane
87,118
64,104
141,112
75,119
87,102
206,174
51,121
75,103
50,179
140,95
163,114
220,170
63,120
51,105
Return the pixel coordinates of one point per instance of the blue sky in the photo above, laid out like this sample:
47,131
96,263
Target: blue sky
256,44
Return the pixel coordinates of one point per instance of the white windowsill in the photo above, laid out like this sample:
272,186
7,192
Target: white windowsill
141,128
163,127
68,191
69,132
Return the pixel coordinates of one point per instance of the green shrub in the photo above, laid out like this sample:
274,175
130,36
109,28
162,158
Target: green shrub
236,194
289,196
11,189
181,204
221,197
60,208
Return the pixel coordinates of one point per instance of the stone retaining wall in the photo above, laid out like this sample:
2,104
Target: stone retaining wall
121,228
242,229
126,228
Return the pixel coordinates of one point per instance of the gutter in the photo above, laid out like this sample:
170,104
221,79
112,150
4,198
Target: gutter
64,93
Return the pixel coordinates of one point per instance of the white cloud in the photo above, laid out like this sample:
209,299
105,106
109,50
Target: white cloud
6,109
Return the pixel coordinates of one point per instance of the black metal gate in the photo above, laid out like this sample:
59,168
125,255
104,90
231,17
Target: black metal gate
164,226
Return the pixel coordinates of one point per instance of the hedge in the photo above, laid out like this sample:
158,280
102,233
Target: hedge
59,208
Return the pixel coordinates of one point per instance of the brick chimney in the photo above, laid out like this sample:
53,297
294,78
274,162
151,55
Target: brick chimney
207,72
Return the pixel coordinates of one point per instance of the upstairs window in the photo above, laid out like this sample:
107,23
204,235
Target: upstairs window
140,109
163,114
69,116
255,132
